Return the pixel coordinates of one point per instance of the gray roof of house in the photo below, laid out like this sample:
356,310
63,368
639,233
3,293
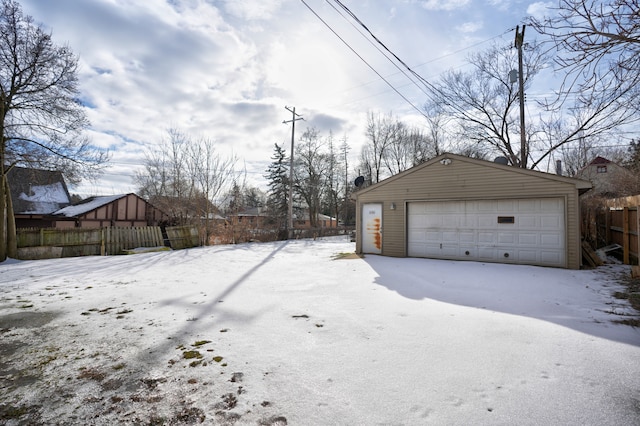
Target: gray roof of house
36,191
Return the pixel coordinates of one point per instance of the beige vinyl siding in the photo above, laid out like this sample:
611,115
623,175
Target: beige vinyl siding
467,179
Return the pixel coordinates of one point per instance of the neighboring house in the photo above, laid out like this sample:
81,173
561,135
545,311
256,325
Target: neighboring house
252,218
182,210
36,194
609,179
460,208
322,221
113,210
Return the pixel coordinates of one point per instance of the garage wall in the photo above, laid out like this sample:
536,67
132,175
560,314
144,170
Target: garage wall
464,178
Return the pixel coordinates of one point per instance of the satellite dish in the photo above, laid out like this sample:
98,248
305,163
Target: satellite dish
501,160
359,181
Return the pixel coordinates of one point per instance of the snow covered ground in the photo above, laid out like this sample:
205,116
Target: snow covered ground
297,333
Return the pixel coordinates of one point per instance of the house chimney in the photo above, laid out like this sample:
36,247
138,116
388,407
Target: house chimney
559,167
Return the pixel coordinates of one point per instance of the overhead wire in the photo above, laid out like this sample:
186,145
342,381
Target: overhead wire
424,81
392,57
364,60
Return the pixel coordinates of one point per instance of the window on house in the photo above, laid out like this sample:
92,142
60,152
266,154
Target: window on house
602,169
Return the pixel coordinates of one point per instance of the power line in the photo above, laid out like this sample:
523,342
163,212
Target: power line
363,60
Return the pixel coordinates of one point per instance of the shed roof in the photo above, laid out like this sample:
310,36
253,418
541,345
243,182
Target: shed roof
87,205
581,185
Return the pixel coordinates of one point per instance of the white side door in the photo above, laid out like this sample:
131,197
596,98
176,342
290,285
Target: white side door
371,229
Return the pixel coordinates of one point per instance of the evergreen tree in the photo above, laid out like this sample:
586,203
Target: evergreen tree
633,156
278,195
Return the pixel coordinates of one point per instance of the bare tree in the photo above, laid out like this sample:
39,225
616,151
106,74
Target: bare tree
382,131
334,174
598,47
184,177
211,173
41,118
309,179
483,102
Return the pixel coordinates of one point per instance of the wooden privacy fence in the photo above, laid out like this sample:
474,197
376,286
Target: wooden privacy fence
183,236
51,242
617,224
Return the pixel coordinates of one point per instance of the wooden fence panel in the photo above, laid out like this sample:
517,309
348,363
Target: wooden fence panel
91,241
118,239
181,237
619,227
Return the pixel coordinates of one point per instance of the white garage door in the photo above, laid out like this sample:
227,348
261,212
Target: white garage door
509,231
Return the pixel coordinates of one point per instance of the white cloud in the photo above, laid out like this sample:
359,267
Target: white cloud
539,9
469,27
444,5
252,9
226,69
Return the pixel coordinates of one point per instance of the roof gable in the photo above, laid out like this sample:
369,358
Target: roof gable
35,191
445,159
599,160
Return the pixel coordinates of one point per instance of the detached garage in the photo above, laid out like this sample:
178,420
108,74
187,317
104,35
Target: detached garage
459,208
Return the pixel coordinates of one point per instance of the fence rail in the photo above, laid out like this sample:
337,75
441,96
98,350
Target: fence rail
36,243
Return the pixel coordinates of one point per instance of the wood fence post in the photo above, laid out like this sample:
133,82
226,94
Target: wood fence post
637,233
607,226
625,235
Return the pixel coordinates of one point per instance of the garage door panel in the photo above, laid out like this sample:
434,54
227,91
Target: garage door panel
486,237
527,239
551,240
551,257
507,238
530,222
529,256
551,222
487,253
470,230
527,206
467,237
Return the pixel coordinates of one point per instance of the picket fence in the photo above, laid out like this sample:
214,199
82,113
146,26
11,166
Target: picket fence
51,242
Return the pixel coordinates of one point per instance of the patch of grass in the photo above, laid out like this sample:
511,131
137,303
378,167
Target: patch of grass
201,342
351,255
217,358
192,355
632,293
119,366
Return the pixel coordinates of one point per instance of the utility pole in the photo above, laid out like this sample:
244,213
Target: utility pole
295,117
519,41
345,150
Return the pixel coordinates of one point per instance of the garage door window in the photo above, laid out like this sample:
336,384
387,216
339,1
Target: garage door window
507,219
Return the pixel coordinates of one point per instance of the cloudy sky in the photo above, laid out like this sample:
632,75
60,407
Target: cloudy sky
226,69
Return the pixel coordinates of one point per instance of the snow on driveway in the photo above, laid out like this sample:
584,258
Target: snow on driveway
296,333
